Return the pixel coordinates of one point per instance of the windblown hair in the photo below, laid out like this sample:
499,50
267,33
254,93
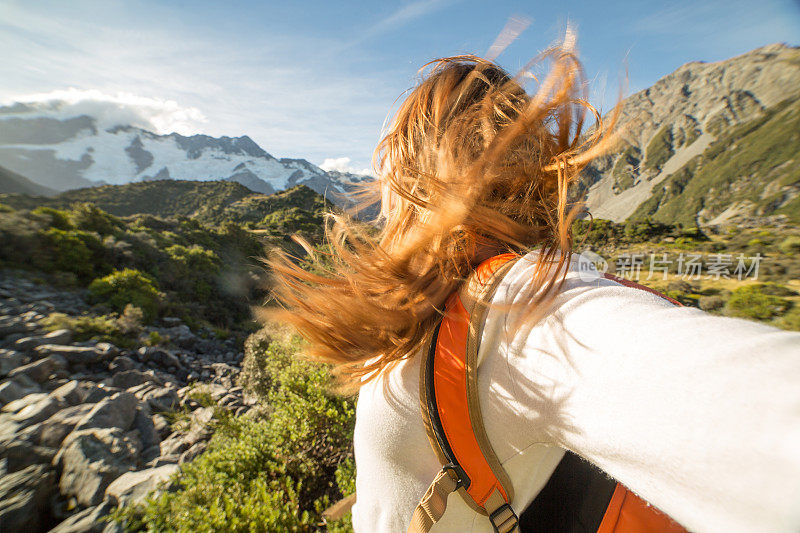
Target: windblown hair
470,166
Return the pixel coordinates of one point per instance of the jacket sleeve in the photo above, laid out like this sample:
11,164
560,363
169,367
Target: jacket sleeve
697,414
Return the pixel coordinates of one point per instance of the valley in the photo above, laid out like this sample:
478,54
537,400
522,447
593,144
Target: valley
141,389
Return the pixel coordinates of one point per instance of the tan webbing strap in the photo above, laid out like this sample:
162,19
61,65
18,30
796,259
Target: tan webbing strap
340,508
432,506
502,516
478,310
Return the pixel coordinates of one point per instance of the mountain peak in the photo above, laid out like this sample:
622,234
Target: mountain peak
688,116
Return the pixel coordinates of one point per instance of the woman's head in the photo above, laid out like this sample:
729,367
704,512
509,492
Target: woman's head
470,162
468,143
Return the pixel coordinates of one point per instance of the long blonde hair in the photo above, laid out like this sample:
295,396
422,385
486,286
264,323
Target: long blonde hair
470,165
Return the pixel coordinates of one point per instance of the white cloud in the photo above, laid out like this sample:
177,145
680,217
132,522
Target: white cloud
343,164
153,114
274,86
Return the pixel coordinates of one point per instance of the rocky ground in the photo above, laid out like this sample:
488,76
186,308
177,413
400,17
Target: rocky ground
88,426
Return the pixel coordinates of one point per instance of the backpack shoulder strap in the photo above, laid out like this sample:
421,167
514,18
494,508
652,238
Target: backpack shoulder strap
452,414
577,497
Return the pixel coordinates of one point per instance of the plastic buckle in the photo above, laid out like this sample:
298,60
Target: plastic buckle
506,517
461,477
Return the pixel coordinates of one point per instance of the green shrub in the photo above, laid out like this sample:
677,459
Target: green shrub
89,217
791,320
711,303
645,230
193,270
202,396
56,218
130,321
128,286
293,219
106,328
70,251
154,339
276,473
775,289
659,149
755,301
263,352
790,245
690,300
194,259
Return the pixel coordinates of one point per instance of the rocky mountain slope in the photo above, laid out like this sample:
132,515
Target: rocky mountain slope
90,425
11,182
67,152
705,143
121,346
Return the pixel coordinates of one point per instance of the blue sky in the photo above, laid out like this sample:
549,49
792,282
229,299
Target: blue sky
317,79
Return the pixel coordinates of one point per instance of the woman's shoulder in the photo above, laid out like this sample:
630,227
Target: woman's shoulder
583,275
608,313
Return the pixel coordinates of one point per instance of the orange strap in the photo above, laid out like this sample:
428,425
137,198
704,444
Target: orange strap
451,411
627,513
450,381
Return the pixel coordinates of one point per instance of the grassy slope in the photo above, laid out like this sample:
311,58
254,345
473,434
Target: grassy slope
199,240
737,167
11,182
161,198
211,202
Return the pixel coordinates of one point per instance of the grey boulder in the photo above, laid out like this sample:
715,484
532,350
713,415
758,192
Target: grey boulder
91,459
116,411
134,487
9,360
53,430
11,390
162,399
39,371
75,355
24,499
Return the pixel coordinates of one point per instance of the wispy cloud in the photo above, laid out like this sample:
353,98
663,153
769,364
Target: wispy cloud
397,19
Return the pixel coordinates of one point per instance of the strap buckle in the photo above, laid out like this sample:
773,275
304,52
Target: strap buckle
504,519
455,471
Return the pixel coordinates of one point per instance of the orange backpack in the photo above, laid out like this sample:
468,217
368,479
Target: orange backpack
578,497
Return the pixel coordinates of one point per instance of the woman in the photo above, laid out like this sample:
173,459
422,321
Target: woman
699,415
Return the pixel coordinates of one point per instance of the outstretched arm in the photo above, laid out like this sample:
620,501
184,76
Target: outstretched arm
697,414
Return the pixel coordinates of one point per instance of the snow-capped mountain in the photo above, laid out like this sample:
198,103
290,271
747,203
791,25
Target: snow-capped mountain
63,153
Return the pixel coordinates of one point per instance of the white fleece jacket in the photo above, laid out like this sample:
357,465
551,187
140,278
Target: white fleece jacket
697,414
